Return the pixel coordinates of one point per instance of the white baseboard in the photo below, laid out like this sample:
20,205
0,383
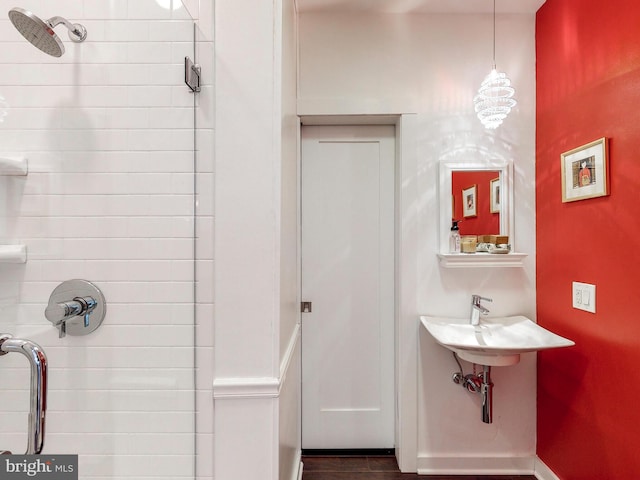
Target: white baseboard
296,467
542,472
300,471
476,465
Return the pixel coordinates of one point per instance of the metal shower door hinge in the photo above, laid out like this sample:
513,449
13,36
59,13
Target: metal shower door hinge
192,73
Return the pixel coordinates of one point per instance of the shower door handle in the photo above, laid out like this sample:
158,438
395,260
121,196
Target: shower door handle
38,396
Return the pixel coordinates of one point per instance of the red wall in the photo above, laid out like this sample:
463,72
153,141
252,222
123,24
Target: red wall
486,223
588,86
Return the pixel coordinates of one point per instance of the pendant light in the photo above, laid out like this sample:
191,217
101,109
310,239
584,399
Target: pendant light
494,100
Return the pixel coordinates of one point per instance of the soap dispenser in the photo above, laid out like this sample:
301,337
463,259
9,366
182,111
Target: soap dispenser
454,238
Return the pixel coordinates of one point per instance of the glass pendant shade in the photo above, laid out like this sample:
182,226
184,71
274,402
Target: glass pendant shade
495,99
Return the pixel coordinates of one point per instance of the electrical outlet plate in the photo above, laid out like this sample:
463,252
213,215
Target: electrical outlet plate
584,296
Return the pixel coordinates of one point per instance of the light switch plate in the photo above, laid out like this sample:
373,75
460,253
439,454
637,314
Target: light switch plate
584,296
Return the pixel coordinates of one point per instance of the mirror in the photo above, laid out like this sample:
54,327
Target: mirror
479,196
475,196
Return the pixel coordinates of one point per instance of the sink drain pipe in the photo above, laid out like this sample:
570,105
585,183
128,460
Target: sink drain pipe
477,383
486,391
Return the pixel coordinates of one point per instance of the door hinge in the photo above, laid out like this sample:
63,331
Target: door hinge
192,73
305,307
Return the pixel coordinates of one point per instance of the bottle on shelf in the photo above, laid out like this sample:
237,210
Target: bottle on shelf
454,238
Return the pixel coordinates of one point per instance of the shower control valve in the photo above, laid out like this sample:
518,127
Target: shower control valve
87,302
59,313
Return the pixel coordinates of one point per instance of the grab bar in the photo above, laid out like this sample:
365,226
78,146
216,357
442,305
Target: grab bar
38,396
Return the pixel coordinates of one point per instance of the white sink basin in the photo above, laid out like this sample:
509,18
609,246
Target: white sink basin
496,341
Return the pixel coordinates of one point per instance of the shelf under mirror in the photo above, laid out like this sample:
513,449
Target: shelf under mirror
466,260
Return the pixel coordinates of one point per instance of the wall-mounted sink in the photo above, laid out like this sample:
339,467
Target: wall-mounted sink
495,341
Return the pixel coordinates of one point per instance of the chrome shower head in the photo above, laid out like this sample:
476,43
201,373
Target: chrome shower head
40,33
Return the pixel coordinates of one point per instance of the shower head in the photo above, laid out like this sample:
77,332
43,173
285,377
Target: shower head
40,33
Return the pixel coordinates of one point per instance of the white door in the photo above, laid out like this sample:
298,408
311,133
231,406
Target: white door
348,275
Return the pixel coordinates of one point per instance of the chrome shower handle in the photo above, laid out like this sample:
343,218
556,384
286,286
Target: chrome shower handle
38,396
73,299
59,313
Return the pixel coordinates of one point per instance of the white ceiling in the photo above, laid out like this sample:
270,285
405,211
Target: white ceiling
420,6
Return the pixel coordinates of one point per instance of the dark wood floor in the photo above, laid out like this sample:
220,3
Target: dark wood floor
377,468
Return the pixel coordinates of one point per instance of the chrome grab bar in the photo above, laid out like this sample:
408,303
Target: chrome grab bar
38,396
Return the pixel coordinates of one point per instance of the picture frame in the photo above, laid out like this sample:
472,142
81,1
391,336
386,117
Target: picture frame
585,171
494,205
470,201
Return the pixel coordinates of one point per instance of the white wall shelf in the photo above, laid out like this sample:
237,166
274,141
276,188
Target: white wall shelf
13,166
17,166
13,254
470,260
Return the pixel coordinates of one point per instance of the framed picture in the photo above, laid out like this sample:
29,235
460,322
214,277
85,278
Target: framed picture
494,206
585,172
469,202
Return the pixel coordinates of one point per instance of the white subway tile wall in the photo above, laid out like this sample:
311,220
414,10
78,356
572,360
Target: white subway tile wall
109,132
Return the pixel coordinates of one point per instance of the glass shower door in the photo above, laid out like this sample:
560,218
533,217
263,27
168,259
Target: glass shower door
107,130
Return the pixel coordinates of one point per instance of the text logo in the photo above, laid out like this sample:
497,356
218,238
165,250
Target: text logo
50,467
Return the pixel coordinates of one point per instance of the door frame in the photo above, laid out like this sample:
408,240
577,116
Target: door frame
364,163
406,323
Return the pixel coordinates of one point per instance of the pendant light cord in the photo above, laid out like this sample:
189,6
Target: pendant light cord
494,34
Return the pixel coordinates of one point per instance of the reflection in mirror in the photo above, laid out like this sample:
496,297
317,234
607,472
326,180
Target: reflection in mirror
478,195
476,201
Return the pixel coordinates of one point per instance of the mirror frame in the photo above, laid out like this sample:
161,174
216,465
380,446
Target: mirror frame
506,191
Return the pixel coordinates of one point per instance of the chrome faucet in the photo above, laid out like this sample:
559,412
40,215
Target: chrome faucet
477,308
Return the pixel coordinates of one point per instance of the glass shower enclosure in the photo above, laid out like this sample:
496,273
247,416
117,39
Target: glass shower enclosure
97,182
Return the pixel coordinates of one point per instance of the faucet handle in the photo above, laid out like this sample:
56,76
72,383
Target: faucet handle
478,298
76,307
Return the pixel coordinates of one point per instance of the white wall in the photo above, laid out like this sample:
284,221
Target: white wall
289,434
255,388
431,66
290,124
108,129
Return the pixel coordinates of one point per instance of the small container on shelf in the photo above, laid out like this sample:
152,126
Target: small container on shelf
498,239
468,244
